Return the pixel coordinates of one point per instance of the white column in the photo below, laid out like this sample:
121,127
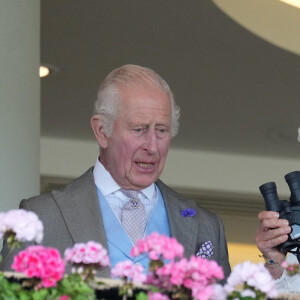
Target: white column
19,101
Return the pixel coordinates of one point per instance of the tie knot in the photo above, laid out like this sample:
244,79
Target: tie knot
130,193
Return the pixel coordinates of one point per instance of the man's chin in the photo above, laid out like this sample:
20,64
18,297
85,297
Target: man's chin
144,183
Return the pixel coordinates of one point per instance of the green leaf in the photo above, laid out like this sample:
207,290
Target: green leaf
24,295
41,294
141,296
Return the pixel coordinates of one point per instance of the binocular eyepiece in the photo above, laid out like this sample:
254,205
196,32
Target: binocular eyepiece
289,210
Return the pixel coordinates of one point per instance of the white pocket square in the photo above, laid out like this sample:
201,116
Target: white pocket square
206,250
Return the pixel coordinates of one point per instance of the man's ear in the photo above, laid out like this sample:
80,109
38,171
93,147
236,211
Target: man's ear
98,131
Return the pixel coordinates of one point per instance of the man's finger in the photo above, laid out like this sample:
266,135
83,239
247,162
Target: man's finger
268,215
267,224
266,245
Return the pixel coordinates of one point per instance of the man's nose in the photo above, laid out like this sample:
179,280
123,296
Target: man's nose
151,142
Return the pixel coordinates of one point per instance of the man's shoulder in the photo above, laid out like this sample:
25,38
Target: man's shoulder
73,187
169,195
86,180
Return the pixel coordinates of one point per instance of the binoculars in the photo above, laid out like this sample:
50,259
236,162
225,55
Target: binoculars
289,210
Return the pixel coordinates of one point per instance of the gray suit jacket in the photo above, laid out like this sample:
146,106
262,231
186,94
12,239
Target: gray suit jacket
73,215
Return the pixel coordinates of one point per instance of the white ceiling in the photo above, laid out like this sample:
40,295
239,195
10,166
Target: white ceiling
237,92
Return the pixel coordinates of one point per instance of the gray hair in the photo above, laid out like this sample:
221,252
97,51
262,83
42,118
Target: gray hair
108,99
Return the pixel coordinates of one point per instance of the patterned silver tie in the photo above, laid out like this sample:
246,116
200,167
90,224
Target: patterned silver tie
133,216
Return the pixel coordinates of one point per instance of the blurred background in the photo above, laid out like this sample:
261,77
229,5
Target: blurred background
234,68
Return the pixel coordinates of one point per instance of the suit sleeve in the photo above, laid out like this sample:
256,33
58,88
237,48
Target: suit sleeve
224,259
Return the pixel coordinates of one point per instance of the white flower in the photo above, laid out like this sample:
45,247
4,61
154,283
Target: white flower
219,292
25,224
255,275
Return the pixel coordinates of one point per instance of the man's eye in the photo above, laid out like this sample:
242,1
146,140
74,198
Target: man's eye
139,131
161,132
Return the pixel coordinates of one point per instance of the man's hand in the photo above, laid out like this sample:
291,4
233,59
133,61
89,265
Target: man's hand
271,232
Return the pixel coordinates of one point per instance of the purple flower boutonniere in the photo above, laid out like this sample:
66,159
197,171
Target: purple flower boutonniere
188,212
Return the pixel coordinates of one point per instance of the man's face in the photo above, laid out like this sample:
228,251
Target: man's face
138,146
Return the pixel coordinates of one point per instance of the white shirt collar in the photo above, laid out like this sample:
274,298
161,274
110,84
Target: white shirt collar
107,184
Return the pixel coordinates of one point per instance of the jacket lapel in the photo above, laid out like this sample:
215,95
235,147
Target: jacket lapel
184,229
79,206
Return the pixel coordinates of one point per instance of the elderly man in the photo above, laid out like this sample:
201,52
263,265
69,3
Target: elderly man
121,198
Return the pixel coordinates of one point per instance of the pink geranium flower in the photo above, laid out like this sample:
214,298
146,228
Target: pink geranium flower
129,270
129,273
64,297
40,262
89,254
194,276
158,246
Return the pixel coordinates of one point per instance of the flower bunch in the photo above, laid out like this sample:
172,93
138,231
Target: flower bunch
181,279
40,262
19,225
170,276
86,258
186,279
254,280
43,266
